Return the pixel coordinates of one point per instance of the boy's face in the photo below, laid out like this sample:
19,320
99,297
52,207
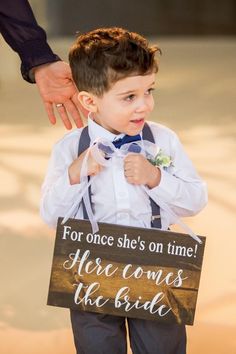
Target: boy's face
127,105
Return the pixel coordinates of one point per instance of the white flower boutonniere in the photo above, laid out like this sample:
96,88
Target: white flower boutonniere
161,160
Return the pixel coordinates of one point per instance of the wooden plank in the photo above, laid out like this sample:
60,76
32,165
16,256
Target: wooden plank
126,271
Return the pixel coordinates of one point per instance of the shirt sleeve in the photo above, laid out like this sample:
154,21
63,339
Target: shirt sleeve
57,194
21,31
180,186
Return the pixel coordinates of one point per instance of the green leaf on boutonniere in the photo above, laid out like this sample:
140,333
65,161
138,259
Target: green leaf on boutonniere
161,160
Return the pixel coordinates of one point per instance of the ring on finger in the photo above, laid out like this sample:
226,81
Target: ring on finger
59,105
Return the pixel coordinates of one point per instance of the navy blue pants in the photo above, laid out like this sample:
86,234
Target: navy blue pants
106,334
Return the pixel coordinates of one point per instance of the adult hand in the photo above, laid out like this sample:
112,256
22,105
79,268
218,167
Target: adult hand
55,84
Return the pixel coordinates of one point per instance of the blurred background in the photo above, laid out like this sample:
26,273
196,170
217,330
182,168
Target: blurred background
195,96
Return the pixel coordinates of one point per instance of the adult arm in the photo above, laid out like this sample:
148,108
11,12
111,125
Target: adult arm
20,30
39,64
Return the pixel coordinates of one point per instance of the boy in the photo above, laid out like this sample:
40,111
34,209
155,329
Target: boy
114,71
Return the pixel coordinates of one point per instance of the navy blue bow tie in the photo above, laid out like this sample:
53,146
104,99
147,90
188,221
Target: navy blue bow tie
119,142
125,140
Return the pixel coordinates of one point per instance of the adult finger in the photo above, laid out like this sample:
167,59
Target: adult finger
72,109
50,112
79,106
64,116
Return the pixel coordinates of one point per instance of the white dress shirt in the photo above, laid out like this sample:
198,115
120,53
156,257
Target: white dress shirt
114,200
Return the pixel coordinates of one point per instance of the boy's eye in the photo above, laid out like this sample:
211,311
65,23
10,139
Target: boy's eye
130,97
149,91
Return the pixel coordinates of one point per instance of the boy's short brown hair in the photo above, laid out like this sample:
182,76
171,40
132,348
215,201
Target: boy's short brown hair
101,57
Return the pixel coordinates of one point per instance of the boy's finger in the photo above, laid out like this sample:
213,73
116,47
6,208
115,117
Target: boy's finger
128,164
96,168
129,157
132,180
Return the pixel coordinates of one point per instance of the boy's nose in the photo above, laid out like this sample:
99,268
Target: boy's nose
142,106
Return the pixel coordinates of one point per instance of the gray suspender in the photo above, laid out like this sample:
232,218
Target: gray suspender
84,143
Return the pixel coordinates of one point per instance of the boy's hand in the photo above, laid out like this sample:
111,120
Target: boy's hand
75,168
138,170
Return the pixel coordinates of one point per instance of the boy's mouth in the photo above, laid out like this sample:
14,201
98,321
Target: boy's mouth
137,121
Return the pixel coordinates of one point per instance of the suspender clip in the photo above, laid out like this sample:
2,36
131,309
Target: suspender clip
154,217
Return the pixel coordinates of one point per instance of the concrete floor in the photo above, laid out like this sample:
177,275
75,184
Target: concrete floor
195,96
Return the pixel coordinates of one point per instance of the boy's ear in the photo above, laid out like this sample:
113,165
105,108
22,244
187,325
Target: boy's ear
88,101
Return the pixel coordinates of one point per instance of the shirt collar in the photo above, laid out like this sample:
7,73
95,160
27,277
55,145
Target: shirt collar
97,131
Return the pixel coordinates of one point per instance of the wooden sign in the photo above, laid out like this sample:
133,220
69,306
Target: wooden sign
126,271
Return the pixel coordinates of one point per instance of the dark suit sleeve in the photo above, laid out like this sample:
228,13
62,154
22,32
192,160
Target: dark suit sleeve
20,30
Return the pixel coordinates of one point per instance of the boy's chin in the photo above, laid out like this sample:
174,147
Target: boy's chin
136,127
